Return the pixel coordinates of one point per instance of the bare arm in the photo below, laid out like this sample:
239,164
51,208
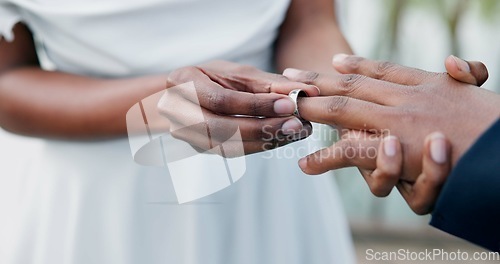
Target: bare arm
35,102
310,37
39,103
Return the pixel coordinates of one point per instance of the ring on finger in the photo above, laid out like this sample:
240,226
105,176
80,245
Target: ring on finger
295,94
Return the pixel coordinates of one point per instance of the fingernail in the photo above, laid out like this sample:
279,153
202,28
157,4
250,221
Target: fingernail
292,126
284,106
390,144
438,148
339,58
305,132
292,73
461,64
317,88
303,163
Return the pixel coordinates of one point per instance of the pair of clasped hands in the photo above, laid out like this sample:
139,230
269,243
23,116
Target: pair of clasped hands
419,123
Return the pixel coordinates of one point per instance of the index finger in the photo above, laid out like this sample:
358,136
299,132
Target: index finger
191,84
253,80
381,70
352,85
344,111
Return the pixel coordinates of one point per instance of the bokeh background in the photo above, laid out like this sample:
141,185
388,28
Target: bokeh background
418,33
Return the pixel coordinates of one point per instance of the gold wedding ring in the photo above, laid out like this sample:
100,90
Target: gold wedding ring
295,94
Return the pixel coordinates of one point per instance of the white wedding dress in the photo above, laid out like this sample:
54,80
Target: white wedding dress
89,202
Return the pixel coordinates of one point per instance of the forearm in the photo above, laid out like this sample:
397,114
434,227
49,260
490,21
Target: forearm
310,45
39,103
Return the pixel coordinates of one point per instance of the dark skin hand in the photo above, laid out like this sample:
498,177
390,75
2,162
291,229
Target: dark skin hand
422,194
307,34
70,106
82,107
386,98
221,92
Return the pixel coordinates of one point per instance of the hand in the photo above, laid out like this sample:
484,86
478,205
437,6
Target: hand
207,104
359,145
422,194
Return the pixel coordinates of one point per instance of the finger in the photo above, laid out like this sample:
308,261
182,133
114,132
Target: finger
252,80
381,70
191,84
389,167
358,150
471,72
351,85
436,167
223,127
234,146
265,145
346,112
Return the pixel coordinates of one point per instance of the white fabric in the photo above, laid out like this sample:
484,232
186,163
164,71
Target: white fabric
9,16
88,202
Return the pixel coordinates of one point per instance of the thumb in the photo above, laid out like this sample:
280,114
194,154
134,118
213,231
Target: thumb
471,72
435,169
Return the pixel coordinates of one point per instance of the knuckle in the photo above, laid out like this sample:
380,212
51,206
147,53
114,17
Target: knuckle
268,87
348,151
314,163
320,160
441,75
255,105
350,82
254,108
383,183
336,105
273,81
419,206
310,77
217,101
384,69
436,78
387,177
353,62
380,189
181,75
173,79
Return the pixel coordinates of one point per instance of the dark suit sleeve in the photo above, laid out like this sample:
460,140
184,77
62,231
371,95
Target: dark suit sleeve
469,203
